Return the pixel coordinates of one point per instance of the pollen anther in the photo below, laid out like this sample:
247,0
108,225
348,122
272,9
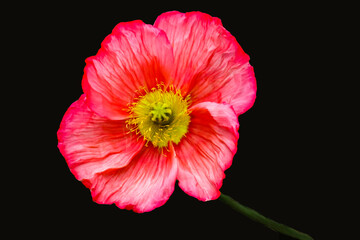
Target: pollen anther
160,116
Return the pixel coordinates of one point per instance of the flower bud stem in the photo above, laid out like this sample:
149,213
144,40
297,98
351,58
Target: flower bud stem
257,217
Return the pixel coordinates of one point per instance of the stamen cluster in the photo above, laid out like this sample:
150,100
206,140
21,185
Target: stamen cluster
160,116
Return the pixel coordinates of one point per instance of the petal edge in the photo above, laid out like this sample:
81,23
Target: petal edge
135,55
145,184
208,150
91,144
210,65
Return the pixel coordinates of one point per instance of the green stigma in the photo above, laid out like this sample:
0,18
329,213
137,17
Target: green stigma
160,117
161,112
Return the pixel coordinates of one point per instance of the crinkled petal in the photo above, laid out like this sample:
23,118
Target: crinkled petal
134,56
145,184
210,65
93,144
207,150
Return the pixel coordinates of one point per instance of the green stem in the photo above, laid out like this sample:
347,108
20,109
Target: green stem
257,217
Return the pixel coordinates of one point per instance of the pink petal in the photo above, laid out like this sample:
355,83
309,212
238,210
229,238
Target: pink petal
146,183
207,150
133,56
209,62
92,144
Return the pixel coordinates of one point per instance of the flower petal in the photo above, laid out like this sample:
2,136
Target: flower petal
145,184
207,150
135,55
210,65
92,144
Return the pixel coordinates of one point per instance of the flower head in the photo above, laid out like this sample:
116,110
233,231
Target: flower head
160,104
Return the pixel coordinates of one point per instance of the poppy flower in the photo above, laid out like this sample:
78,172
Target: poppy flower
160,104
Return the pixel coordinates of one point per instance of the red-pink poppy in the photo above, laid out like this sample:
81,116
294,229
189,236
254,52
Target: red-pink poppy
160,104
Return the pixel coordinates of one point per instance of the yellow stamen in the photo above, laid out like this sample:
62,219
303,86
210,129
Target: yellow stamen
160,116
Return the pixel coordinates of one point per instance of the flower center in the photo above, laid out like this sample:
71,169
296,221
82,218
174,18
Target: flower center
160,113
160,117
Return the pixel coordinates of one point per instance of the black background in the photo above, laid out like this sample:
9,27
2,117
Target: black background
278,166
